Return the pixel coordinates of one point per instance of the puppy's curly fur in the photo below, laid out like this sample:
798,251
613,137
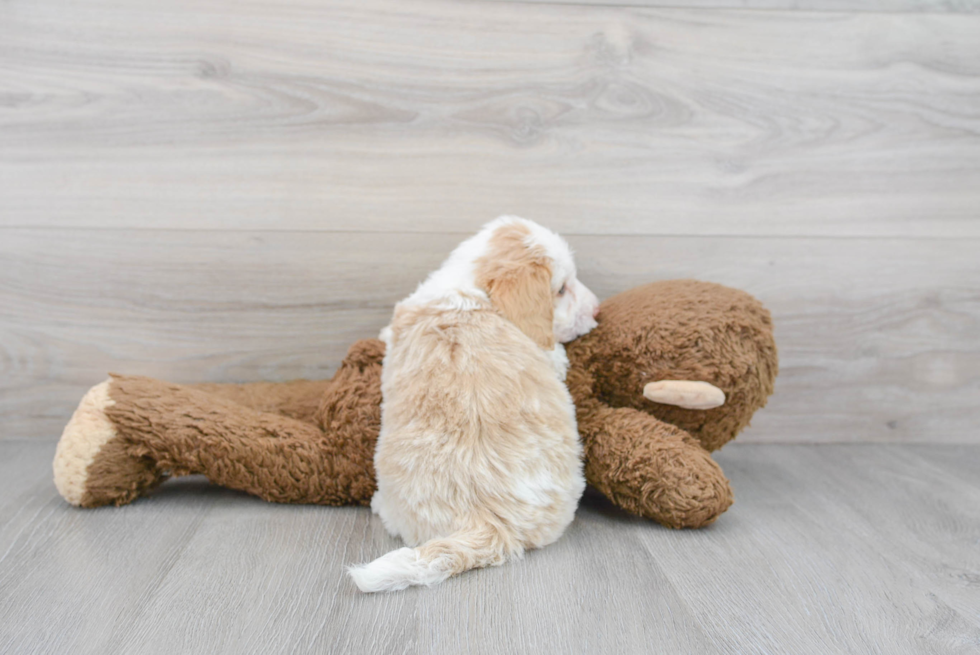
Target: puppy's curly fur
479,457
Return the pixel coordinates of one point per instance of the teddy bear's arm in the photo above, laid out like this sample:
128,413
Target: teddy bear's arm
651,468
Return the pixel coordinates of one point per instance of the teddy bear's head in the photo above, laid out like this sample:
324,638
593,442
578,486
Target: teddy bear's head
682,330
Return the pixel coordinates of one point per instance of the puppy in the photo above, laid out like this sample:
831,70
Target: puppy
479,457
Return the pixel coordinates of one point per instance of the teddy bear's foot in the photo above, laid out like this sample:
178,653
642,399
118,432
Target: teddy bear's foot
93,465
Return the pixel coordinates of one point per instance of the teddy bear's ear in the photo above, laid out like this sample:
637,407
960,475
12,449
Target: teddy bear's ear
688,394
518,281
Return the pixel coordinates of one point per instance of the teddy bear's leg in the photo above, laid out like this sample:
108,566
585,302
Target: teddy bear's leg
301,399
132,432
298,399
350,407
651,468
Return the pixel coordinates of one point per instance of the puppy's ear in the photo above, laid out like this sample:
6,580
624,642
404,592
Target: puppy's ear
518,280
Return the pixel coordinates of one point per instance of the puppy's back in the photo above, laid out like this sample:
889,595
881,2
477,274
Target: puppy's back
478,437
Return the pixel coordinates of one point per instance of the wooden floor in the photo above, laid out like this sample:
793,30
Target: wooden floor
828,549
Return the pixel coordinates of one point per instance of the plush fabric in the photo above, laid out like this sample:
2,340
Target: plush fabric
313,442
649,458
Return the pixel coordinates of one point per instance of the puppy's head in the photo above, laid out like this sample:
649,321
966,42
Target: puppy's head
529,274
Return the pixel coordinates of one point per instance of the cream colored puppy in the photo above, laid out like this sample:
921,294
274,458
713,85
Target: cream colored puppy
479,457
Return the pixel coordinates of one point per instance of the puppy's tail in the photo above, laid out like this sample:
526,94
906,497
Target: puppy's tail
433,561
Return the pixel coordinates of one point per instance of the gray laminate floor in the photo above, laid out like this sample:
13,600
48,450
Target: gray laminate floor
828,549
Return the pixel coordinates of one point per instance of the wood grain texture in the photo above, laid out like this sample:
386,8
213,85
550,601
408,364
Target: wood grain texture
435,116
874,6
81,581
877,337
856,548
829,549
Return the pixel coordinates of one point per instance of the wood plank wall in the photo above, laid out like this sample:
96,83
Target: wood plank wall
232,191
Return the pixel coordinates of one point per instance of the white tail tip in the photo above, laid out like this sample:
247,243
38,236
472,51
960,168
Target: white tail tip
395,571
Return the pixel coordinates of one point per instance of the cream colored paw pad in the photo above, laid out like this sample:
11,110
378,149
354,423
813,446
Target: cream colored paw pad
86,433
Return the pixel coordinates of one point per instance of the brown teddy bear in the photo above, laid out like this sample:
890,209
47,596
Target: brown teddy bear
673,371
